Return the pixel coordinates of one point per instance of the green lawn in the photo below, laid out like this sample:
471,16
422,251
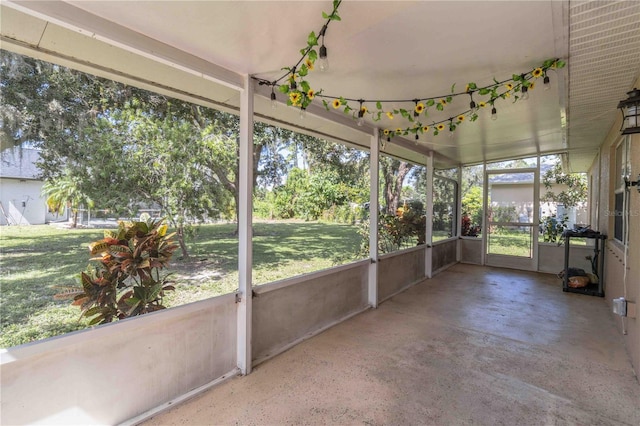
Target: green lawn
34,259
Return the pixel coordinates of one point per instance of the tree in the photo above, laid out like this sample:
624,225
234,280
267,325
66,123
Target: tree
40,100
123,146
472,204
65,192
393,174
576,186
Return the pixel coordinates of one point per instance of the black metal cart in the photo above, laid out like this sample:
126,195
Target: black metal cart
598,253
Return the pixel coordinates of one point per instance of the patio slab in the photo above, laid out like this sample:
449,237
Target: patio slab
474,345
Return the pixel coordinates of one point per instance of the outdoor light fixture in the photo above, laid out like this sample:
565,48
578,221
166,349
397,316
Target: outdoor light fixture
303,113
494,114
630,109
628,183
525,93
274,103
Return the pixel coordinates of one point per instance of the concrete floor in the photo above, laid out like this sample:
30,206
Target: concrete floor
474,345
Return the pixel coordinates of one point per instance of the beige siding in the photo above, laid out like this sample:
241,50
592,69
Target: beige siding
603,171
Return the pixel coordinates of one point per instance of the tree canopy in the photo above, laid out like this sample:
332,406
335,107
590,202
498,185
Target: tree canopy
127,148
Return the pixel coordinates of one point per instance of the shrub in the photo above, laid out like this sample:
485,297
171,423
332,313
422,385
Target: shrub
126,280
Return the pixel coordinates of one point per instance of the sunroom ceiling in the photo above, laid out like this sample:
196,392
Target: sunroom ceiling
384,50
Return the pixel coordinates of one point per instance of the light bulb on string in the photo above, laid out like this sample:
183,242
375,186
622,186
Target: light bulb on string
323,61
472,105
525,93
360,121
494,114
303,113
417,138
547,86
274,102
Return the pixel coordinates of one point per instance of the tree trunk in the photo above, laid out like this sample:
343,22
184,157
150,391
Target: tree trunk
394,172
183,246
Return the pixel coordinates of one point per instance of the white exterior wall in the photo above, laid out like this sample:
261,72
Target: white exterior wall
23,202
521,192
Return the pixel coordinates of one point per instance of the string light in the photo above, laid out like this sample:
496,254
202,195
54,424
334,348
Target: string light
303,113
361,111
295,77
274,102
323,62
293,84
472,105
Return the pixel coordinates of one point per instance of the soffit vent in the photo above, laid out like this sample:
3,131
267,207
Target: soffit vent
604,62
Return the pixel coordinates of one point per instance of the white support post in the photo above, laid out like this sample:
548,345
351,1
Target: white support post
428,264
245,253
459,215
485,205
536,215
374,189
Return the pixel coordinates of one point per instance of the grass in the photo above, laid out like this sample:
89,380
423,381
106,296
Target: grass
34,259
513,243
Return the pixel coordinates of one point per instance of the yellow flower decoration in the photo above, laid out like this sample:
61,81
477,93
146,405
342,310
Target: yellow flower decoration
537,72
311,94
443,101
532,85
425,129
390,115
460,118
309,64
507,95
419,108
440,127
295,97
509,86
398,130
386,132
336,103
363,109
466,89
482,104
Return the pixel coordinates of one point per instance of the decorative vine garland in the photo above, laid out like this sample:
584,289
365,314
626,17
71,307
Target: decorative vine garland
300,94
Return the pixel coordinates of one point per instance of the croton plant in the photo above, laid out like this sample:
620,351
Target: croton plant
124,277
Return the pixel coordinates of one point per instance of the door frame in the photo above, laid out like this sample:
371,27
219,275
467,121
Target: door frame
507,261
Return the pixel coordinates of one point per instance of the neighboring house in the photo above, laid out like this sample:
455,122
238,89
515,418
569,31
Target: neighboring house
21,189
517,194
